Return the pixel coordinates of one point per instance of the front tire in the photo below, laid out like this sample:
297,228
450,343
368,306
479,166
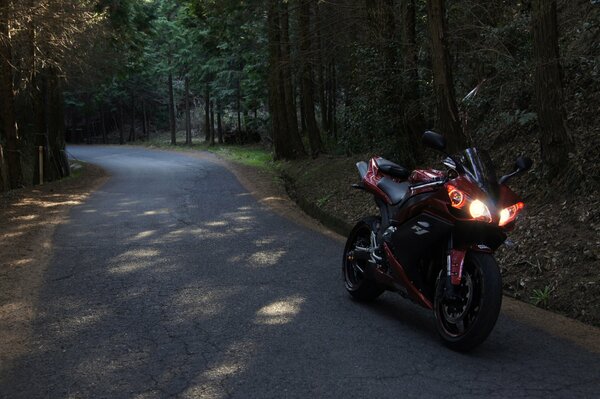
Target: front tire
354,269
466,320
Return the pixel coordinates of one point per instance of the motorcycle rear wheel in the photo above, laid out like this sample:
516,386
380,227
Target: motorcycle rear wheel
354,269
466,321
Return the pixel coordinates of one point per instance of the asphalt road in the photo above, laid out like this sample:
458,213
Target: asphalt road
172,281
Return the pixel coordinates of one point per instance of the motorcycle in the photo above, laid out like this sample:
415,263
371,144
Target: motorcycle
434,239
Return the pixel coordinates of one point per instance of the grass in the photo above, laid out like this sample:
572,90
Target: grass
541,297
251,155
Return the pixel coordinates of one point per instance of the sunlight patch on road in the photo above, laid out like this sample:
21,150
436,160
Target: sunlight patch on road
279,312
210,384
163,211
72,325
265,258
134,260
143,234
216,224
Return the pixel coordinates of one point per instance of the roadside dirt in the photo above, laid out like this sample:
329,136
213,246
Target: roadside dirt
28,219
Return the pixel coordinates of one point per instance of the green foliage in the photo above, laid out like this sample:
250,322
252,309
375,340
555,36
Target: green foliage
541,297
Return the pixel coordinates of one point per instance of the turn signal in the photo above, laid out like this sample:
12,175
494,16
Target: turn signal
509,214
480,211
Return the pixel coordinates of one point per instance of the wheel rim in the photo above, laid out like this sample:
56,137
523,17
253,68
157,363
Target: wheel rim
354,268
457,316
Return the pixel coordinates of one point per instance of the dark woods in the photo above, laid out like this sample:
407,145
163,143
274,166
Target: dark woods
307,77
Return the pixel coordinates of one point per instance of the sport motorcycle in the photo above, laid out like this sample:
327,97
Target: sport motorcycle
434,239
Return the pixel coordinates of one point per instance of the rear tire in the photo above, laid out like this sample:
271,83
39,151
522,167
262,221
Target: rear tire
354,269
466,322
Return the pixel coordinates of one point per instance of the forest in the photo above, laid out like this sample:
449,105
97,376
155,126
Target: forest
304,77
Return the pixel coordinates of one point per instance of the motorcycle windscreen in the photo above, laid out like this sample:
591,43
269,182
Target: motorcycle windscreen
418,238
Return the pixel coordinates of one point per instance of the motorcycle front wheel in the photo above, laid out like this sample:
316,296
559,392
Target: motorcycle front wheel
464,320
353,269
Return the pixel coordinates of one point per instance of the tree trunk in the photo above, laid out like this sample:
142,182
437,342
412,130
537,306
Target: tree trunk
7,100
321,76
212,122
413,115
238,107
448,119
207,113
172,121
554,137
103,124
286,68
188,119
132,137
308,103
219,123
57,159
121,122
145,127
285,146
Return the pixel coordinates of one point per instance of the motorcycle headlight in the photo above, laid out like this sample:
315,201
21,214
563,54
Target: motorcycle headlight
509,214
477,209
480,211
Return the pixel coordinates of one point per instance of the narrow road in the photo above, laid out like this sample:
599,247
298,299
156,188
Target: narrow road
172,281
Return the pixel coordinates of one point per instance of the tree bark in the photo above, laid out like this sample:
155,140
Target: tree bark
555,140
103,124
285,146
207,113
145,127
121,123
212,122
219,123
188,119
172,121
286,67
307,94
57,160
413,114
448,118
7,100
132,137
321,75
238,106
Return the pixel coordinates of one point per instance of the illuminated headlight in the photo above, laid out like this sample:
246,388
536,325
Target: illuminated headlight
480,211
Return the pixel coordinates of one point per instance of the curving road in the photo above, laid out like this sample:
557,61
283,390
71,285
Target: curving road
172,281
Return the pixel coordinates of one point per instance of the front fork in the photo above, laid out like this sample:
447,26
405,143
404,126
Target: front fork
455,260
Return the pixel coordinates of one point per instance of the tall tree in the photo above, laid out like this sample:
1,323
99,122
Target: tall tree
448,118
7,99
554,138
413,114
188,119
286,146
286,66
307,87
172,121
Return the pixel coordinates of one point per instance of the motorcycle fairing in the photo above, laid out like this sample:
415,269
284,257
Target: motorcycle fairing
414,292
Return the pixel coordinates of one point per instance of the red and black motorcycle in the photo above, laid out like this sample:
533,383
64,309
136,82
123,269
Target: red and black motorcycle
434,239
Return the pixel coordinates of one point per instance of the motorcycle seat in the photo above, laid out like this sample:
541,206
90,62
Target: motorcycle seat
395,191
392,169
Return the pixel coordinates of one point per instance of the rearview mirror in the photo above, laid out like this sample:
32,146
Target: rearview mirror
523,164
434,140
